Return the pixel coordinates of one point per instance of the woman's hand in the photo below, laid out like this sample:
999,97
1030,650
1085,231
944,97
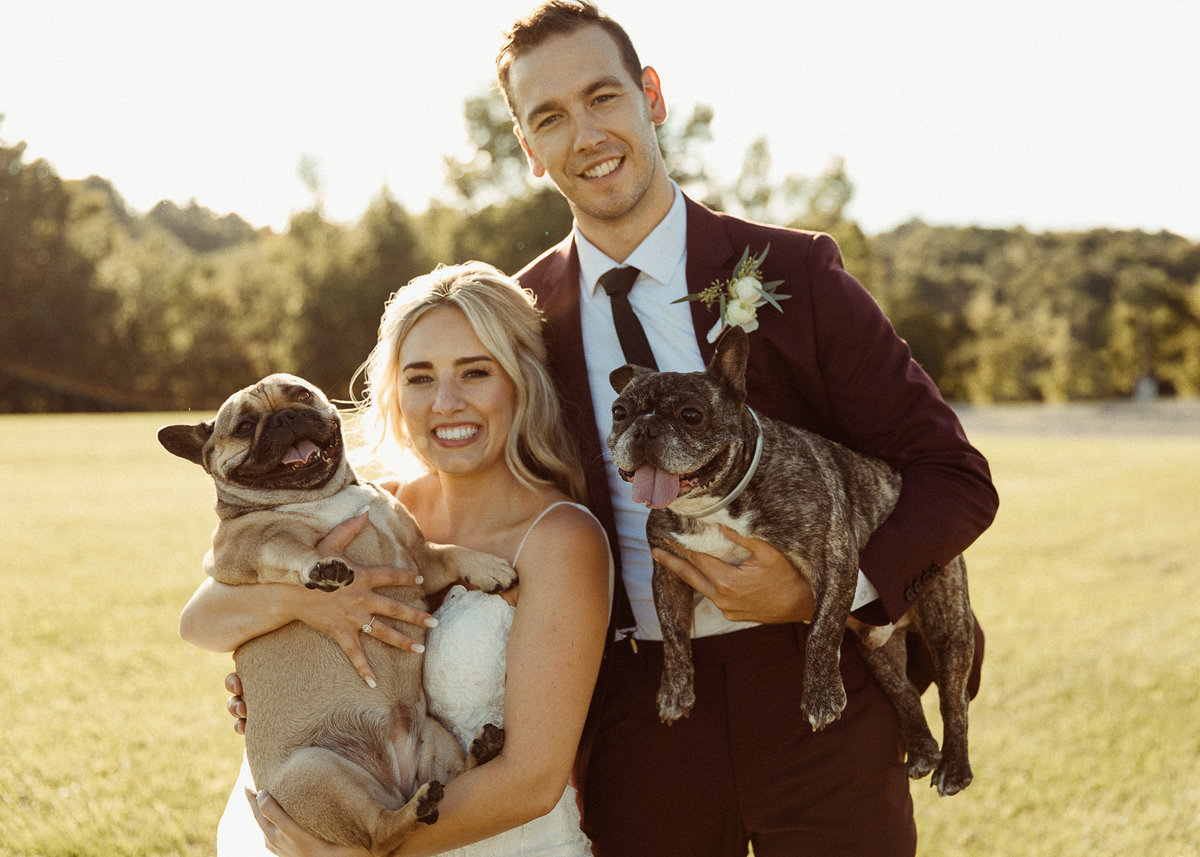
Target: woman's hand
288,839
342,614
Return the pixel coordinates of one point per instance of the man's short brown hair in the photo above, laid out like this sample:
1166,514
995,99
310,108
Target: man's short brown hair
557,18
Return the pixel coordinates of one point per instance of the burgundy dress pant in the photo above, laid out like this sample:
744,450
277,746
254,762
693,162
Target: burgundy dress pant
745,767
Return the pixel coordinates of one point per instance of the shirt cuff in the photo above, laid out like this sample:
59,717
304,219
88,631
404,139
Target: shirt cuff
864,594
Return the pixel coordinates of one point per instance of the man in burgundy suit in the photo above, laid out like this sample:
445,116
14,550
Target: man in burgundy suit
745,766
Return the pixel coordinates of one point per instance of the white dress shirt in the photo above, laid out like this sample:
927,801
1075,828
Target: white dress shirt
661,258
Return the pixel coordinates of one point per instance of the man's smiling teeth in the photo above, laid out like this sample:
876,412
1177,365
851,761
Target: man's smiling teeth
601,170
456,432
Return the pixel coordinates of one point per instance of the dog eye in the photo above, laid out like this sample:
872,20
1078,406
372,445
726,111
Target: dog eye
619,413
303,395
691,416
244,429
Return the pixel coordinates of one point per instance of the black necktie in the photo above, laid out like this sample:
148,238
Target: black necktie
617,283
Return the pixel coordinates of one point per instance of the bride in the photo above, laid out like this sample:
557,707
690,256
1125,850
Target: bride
458,381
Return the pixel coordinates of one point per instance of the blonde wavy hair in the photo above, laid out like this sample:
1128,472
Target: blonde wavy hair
539,450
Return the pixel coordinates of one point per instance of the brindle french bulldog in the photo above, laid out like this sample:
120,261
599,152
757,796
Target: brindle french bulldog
699,458
352,764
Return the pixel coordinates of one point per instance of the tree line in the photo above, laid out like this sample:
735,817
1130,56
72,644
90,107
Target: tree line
104,308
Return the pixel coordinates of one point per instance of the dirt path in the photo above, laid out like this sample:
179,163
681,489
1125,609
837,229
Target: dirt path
1164,417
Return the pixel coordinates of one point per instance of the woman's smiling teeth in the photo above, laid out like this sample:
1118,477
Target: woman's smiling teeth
601,170
456,432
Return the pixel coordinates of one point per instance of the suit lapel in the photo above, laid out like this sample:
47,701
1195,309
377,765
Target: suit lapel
558,297
709,257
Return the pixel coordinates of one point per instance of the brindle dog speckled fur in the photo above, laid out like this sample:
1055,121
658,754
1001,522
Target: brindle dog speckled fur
686,441
352,764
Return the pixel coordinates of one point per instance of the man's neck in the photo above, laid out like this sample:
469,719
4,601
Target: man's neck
617,238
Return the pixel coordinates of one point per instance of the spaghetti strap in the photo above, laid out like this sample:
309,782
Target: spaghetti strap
538,519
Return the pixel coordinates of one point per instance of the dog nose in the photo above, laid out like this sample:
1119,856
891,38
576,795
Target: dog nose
645,430
284,418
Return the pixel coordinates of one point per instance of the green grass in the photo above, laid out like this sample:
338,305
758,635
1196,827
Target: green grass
116,738
1084,739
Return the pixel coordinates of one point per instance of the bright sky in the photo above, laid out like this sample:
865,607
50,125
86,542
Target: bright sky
1053,114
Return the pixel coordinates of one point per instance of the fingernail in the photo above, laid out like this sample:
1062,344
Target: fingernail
363,510
262,795
370,682
418,649
431,622
418,579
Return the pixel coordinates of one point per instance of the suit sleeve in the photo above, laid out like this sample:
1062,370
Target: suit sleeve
888,407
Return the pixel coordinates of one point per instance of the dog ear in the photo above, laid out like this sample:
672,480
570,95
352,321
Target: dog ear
620,377
186,441
728,365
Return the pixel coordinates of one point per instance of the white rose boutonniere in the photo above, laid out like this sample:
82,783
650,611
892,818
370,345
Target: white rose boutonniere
740,296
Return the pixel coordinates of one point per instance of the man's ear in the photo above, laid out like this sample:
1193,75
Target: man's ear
656,105
535,166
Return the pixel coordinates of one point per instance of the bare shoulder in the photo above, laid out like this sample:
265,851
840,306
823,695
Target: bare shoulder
414,492
568,521
567,534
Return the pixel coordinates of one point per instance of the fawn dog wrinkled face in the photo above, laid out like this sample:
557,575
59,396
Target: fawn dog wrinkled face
279,435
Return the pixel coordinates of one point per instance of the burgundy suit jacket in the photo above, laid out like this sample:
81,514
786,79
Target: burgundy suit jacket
830,363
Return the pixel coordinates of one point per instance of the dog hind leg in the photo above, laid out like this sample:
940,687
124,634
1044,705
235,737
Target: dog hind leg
340,802
439,756
887,663
945,618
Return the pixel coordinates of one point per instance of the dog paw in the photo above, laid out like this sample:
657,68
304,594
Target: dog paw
492,575
922,759
428,798
952,776
824,708
487,744
329,575
674,704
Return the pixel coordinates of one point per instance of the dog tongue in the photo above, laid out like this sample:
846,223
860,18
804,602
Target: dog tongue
653,487
301,453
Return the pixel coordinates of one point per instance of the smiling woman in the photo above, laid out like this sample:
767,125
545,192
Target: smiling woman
456,402
458,381
483,336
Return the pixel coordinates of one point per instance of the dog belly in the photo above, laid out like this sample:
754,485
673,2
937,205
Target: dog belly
301,690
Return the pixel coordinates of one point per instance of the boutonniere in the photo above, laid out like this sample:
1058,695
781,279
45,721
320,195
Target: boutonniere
741,295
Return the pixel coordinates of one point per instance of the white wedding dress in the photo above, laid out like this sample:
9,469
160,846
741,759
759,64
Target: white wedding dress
464,678
465,659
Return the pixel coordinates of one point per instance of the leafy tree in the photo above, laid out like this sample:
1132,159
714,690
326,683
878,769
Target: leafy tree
54,325
198,228
345,276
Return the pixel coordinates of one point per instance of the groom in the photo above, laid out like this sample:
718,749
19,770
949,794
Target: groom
745,766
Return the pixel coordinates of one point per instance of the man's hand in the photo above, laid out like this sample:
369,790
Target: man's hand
765,588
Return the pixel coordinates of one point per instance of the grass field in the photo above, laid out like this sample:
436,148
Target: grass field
1085,739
